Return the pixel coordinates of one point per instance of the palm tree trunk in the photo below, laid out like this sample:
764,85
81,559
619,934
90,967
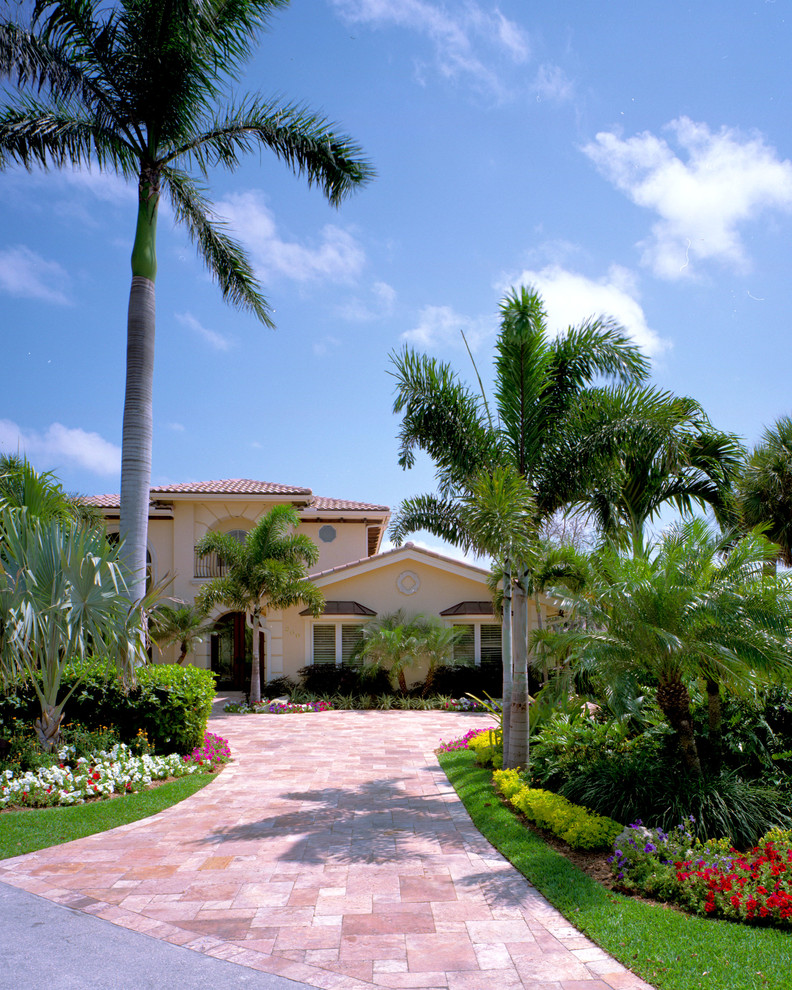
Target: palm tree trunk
136,439
255,673
715,722
48,727
674,702
506,656
519,752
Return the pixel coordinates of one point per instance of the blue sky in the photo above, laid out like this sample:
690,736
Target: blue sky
627,159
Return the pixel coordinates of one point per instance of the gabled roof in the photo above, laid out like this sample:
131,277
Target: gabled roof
407,552
244,486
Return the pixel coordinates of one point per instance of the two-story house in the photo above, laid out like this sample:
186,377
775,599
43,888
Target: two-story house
358,580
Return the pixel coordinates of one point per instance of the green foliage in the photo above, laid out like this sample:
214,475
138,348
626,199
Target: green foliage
578,827
325,679
668,948
170,704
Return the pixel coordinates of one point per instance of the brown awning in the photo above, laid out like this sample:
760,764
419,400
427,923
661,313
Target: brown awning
343,608
469,608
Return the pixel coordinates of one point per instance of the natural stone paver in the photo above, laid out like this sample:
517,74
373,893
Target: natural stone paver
332,851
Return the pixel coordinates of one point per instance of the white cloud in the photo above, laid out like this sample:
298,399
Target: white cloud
26,274
460,34
722,181
571,298
441,325
105,186
552,84
60,446
177,427
336,256
380,305
212,337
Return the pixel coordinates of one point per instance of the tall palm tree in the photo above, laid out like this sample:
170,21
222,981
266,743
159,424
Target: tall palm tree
684,611
638,450
268,570
764,487
141,88
539,383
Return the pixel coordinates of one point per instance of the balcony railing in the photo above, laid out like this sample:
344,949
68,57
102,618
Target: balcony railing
210,566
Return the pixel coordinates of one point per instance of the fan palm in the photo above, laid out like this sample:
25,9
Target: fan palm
685,610
764,487
268,570
139,87
539,383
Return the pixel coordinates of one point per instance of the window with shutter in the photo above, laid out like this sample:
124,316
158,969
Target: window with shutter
490,643
464,650
324,649
351,637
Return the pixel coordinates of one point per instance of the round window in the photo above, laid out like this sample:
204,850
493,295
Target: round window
327,534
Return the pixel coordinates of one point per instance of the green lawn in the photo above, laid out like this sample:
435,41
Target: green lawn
26,831
669,949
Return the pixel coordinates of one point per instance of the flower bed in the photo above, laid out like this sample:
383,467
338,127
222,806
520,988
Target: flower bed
109,772
708,878
470,705
277,708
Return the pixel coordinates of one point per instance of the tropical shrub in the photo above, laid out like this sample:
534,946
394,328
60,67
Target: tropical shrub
488,747
325,679
170,704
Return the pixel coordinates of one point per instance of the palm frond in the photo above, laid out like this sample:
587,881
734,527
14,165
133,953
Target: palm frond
224,257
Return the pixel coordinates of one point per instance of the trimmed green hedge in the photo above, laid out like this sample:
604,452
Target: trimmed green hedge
170,703
578,827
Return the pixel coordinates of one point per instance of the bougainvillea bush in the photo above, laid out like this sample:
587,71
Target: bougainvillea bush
76,779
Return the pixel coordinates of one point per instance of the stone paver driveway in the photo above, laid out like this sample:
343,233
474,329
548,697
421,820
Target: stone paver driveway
332,851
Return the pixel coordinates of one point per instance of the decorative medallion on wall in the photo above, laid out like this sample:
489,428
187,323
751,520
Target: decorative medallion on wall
327,534
408,582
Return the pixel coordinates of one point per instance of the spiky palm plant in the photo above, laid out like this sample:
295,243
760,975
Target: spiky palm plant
141,88
764,487
697,606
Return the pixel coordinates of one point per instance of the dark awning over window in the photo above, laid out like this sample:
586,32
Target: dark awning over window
343,608
469,608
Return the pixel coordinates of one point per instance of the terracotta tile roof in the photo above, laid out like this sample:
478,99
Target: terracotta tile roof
244,486
230,486
325,504
102,501
377,557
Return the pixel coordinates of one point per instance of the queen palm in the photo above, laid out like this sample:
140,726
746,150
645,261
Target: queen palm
269,569
539,382
141,88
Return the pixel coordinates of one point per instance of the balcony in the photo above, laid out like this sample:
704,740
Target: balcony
210,566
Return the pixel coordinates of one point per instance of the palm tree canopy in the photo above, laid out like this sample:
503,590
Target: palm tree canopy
134,87
686,609
643,449
764,487
539,381
269,568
